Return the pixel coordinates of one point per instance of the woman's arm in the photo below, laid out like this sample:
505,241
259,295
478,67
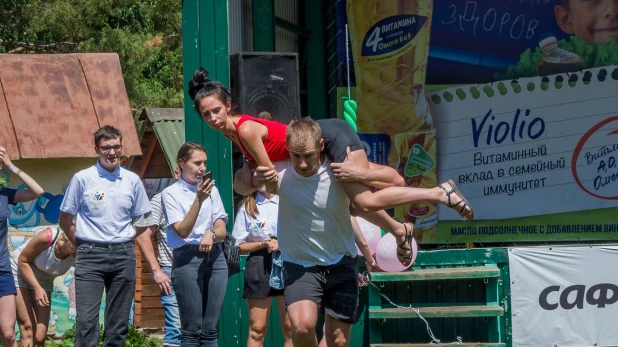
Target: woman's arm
242,181
184,227
34,189
38,244
220,231
250,247
252,135
210,237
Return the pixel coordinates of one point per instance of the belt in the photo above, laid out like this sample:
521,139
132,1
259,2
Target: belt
102,244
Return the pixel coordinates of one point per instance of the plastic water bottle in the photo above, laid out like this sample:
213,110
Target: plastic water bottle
556,60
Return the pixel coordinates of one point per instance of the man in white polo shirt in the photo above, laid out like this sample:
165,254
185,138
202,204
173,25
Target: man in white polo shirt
316,240
105,198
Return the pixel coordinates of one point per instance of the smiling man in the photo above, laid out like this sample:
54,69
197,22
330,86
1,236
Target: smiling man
316,240
105,198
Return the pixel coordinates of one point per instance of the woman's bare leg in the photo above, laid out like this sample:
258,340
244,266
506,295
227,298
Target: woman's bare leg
26,318
7,320
364,200
259,310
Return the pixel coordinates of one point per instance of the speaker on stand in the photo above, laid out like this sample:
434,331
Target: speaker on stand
264,82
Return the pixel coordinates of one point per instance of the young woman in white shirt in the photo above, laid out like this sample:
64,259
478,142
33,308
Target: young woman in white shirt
195,220
255,230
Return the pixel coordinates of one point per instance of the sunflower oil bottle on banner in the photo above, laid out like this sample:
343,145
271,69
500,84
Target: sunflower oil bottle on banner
390,45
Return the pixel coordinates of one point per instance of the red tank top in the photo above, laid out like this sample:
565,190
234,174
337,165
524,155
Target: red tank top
274,141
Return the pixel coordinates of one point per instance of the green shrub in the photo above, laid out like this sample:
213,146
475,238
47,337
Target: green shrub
135,338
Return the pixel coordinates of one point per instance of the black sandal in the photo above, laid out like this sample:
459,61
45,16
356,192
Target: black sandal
405,259
462,211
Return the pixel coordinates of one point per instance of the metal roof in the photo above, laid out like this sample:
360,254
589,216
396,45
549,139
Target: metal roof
51,104
169,127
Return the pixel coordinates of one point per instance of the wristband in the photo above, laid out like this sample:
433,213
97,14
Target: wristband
12,168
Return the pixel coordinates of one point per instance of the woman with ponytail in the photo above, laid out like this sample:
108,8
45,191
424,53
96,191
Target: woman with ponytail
195,220
255,230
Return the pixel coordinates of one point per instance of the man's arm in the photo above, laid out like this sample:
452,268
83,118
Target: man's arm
145,245
362,245
67,225
139,230
378,176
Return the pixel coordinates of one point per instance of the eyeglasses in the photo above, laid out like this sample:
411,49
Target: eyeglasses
107,149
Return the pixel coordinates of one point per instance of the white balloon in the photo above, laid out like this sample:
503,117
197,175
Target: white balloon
371,232
386,254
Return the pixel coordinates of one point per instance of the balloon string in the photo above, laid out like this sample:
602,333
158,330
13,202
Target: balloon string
365,280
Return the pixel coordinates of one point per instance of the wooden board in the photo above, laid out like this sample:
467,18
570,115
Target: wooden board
469,344
437,274
437,312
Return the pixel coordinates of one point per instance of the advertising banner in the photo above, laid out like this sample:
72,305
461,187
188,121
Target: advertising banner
564,296
515,101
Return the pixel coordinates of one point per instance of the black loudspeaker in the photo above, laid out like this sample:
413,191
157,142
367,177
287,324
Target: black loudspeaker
265,81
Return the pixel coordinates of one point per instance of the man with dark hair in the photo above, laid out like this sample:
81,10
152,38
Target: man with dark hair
105,198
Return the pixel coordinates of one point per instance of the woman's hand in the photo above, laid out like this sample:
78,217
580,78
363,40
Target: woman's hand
273,245
204,189
4,158
40,296
207,241
264,175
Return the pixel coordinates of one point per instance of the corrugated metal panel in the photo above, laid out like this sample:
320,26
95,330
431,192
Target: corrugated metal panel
331,53
236,26
248,25
169,126
286,41
49,96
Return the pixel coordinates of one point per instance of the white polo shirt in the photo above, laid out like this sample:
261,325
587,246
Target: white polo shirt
263,227
105,203
177,200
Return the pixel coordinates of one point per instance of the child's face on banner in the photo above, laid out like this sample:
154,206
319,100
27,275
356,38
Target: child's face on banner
591,20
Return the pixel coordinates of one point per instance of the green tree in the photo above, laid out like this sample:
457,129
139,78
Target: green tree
145,34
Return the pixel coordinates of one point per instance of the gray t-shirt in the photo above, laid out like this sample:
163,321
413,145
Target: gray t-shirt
7,197
157,218
314,217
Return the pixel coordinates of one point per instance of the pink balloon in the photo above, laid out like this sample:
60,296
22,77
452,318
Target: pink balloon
372,234
386,254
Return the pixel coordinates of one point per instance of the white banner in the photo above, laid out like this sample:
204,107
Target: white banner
529,141
564,296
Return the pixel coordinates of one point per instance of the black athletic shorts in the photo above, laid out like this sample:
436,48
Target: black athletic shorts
257,276
338,135
334,288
